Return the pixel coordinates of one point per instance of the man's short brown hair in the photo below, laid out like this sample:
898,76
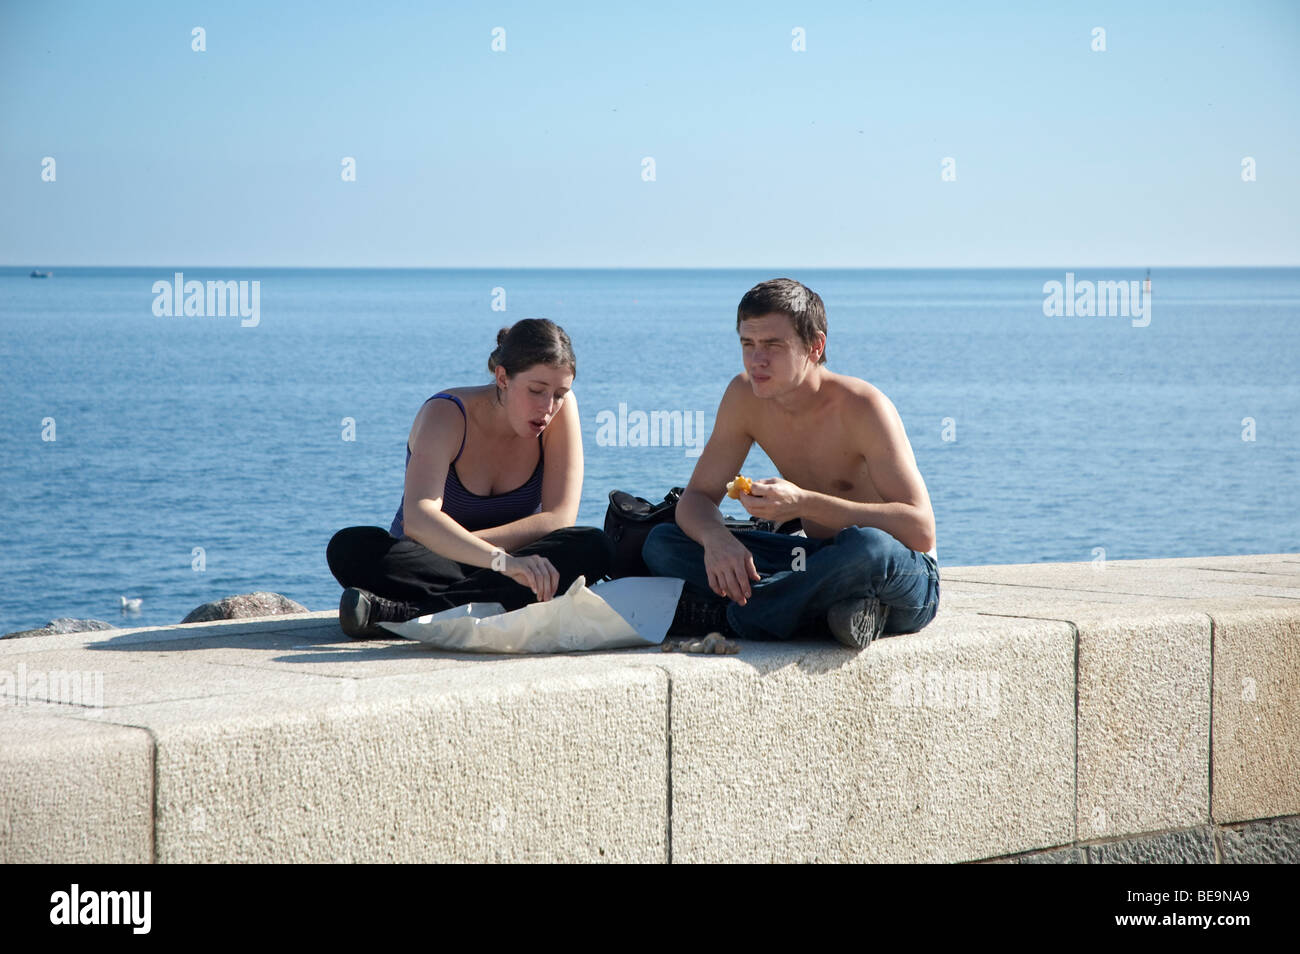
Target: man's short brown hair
796,301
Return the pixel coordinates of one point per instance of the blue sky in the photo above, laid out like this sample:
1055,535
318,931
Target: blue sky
764,157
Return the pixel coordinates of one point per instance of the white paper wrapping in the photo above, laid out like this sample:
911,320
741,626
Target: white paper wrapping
616,614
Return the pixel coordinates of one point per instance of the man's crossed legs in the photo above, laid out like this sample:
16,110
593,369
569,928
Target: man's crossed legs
802,578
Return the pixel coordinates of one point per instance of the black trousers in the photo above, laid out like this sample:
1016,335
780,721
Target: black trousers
370,558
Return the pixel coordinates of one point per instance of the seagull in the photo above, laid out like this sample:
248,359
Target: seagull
132,606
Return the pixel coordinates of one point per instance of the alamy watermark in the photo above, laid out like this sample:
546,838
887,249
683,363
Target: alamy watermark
180,298
61,686
651,429
128,908
917,688
1088,299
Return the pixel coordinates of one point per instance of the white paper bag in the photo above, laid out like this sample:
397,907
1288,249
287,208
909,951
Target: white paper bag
617,614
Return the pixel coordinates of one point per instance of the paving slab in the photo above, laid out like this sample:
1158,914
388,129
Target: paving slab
951,744
1143,723
1256,742
1275,841
73,791
563,762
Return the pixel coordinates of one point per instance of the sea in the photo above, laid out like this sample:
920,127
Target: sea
179,458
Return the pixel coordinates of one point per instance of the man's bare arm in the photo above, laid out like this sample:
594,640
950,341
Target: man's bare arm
906,513
723,456
904,522
729,565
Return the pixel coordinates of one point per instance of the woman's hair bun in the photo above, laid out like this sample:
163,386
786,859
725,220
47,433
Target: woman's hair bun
532,341
494,358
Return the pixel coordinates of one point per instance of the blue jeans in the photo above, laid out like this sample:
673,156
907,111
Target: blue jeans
801,578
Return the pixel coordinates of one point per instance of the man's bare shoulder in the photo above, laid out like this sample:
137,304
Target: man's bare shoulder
858,396
738,397
736,409
738,387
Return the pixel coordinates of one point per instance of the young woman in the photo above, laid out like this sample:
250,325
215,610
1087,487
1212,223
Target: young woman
493,479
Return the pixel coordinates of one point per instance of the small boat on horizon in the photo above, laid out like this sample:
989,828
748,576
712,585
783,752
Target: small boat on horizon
36,274
1146,283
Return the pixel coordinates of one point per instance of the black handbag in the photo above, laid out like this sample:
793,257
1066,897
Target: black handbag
629,520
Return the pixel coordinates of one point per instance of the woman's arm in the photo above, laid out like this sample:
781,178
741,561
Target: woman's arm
561,484
435,438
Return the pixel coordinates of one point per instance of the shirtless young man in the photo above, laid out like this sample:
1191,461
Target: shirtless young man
869,563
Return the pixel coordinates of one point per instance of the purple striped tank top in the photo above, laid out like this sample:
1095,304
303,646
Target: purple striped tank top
474,511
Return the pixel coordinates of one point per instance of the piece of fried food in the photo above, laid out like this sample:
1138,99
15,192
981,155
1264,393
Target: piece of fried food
741,485
712,644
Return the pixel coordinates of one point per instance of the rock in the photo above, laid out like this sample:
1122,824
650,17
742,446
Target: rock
244,606
63,624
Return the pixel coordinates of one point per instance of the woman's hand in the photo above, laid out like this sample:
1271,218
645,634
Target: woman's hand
535,572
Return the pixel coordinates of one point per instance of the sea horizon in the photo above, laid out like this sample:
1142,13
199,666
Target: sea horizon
671,268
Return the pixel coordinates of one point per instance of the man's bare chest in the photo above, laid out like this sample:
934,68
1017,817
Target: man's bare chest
819,456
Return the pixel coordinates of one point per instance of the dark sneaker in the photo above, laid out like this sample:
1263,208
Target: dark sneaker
360,610
699,616
856,622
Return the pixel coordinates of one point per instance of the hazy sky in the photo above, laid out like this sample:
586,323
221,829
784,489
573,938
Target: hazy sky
763,156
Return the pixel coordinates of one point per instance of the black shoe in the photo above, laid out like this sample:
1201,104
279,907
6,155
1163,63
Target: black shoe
701,615
360,610
857,622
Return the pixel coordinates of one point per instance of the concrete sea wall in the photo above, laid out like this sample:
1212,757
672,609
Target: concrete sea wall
1142,710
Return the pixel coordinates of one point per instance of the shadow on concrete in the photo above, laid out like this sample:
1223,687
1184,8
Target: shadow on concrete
320,640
